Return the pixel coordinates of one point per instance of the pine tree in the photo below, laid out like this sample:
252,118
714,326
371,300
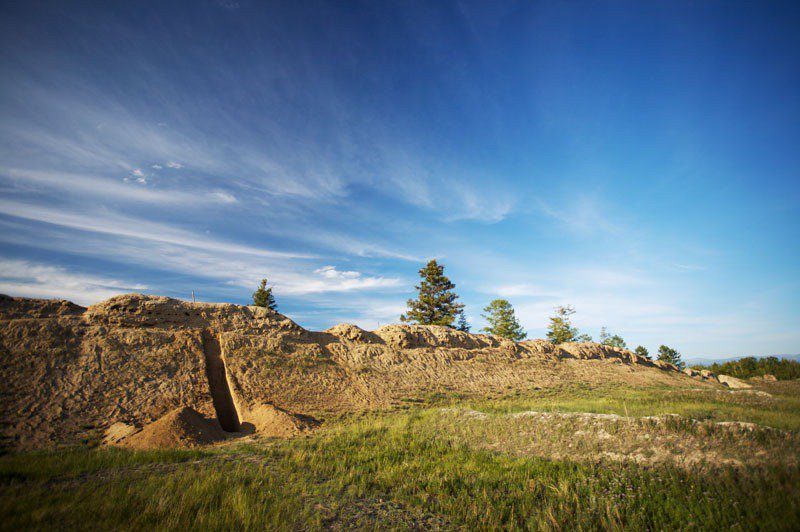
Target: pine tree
561,329
436,303
263,296
617,341
502,321
463,325
643,352
611,340
667,354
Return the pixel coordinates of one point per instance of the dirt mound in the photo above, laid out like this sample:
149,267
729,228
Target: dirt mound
184,427
271,421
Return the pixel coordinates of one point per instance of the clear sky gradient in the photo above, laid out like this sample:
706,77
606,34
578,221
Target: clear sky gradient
638,160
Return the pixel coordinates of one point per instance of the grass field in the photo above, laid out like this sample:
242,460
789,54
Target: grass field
448,464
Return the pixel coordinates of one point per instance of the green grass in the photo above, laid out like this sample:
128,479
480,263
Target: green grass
396,471
777,410
45,465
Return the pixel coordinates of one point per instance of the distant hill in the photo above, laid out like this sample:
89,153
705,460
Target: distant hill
707,361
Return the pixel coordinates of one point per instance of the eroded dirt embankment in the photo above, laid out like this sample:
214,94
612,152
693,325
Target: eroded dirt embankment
69,372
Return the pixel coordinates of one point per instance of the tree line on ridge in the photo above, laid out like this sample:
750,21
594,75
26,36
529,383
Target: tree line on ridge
437,304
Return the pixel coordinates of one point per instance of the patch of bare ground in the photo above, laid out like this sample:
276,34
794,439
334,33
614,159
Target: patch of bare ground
592,437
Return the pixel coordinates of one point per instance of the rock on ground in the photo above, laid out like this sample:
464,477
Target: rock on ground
733,382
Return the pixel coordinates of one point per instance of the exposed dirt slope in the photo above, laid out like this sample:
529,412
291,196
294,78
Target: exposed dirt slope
68,373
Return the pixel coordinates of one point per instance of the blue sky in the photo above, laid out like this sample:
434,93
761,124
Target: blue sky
637,160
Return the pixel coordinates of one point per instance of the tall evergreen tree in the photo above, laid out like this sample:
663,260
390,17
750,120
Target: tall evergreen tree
502,321
643,352
560,329
436,303
263,297
463,325
667,354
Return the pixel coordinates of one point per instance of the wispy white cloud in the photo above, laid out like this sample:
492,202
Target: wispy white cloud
330,272
30,279
480,204
521,290
96,186
161,247
369,313
582,214
122,226
223,197
350,244
619,277
332,280
92,133
443,187
125,142
136,176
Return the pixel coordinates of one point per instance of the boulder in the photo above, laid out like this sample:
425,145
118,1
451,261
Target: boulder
708,375
733,382
665,365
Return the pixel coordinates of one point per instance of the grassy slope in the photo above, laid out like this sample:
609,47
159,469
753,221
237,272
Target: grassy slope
779,407
407,470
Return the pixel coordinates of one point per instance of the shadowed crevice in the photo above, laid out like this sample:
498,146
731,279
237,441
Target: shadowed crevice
218,384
